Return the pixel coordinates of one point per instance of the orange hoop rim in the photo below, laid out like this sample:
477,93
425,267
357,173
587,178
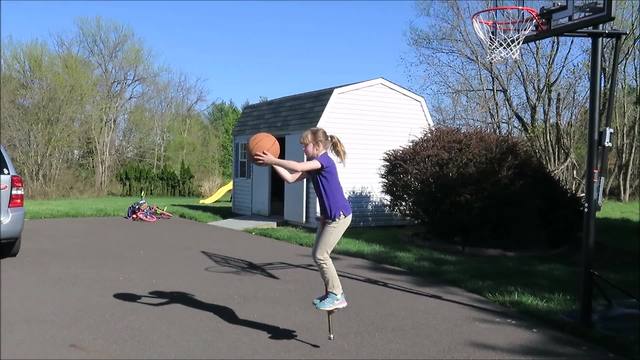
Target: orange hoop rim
500,24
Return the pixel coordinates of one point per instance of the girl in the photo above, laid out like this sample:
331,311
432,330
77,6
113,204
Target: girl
335,211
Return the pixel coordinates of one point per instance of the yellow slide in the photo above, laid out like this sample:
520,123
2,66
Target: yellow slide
218,194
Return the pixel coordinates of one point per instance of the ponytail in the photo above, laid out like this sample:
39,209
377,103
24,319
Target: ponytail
319,136
337,148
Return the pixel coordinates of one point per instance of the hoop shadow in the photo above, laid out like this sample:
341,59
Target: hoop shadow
223,312
250,268
241,266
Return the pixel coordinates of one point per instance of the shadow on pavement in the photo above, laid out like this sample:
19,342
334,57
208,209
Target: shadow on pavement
223,312
245,267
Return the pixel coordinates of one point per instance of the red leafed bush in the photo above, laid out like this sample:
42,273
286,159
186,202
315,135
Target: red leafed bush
480,189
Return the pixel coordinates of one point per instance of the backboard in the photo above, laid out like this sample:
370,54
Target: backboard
567,16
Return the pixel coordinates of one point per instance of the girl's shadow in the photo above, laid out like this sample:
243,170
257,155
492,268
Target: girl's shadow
223,312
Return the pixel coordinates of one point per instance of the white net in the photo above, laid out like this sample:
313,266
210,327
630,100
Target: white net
503,29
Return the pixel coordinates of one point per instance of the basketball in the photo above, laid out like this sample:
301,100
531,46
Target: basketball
263,142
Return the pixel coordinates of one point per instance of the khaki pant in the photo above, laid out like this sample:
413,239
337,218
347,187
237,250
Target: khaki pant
327,236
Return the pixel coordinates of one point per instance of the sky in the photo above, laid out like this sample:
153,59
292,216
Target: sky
244,50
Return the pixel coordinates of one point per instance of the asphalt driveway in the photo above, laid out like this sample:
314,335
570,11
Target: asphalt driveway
112,288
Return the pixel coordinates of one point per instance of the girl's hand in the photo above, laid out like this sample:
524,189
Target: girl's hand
264,158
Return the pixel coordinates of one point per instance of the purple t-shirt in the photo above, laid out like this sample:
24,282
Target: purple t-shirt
328,189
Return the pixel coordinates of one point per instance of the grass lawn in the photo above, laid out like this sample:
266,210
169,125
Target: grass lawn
545,287
187,208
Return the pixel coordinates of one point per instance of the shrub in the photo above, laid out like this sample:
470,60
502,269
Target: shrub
480,189
135,178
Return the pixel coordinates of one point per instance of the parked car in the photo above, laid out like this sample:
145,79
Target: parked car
11,206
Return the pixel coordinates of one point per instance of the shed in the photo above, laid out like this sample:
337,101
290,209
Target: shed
370,118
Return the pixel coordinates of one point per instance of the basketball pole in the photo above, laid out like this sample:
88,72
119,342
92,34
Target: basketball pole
596,165
588,228
596,159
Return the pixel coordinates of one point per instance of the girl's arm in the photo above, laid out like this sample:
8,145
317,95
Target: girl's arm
293,166
289,177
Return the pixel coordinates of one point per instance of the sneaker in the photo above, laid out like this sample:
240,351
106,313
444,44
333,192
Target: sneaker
332,301
319,298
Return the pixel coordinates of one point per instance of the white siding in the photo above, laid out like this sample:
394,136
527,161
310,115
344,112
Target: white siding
241,196
241,203
370,119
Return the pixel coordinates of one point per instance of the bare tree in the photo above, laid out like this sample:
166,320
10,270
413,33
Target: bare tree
145,135
542,97
121,65
170,102
94,101
189,95
623,179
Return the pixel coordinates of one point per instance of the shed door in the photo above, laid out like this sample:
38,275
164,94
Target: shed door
260,189
294,194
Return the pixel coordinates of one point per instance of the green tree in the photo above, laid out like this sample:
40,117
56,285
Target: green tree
186,180
44,96
222,117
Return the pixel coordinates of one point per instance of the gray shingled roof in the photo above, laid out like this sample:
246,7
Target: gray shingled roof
290,113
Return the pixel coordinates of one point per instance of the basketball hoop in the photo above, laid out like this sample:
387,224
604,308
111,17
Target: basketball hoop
503,28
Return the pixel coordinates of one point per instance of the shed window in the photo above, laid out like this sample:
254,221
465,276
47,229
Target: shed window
242,166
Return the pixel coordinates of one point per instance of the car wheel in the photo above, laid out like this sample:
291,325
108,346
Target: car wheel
13,248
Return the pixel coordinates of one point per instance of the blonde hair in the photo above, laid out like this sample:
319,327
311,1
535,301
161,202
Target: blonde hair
330,142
